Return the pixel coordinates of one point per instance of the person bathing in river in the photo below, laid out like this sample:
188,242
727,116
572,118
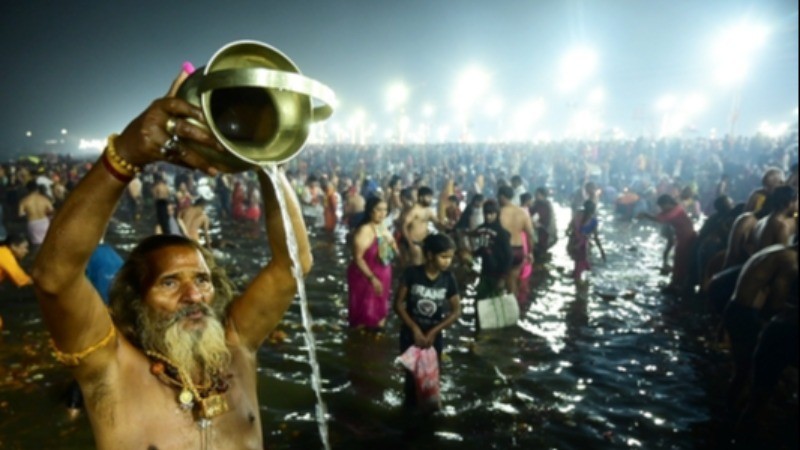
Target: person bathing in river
172,365
779,225
427,302
12,251
673,214
763,289
369,277
517,221
415,226
581,231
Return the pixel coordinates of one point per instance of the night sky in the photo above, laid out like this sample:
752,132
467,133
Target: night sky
89,67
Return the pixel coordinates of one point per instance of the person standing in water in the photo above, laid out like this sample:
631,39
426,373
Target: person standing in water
369,276
173,364
414,226
427,302
12,251
581,231
673,214
37,208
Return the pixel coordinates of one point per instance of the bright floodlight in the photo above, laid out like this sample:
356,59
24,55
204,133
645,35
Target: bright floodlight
494,107
694,104
471,86
597,96
771,130
525,117
666,102
734,50
397,96
584,123
577,66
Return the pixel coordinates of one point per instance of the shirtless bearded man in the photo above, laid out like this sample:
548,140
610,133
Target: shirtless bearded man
174,364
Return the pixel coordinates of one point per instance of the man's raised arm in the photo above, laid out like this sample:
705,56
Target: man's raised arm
72,309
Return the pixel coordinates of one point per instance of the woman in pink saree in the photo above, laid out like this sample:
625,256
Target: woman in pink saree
369,276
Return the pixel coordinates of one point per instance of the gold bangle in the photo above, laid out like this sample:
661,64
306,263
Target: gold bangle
118,162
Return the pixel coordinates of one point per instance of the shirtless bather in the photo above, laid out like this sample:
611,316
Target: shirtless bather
517,222
173,366
762,291
415,227
37,208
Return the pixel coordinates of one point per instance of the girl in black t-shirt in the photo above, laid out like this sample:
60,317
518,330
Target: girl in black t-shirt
427,301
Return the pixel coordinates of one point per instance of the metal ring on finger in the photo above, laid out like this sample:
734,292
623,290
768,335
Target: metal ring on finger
170,125
171,149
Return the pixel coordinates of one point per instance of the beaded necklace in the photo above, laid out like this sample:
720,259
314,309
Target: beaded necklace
206,401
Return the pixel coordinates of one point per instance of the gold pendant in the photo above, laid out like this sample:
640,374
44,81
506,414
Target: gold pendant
213,406
186,398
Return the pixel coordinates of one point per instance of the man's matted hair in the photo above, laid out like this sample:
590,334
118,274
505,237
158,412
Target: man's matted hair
130,282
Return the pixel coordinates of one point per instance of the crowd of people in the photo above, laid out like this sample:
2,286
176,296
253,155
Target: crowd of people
412,215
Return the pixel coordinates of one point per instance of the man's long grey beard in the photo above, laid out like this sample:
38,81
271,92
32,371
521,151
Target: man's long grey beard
200,350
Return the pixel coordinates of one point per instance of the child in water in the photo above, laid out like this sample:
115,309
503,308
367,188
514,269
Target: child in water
427,302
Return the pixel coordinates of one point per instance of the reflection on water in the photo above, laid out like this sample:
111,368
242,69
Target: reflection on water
613,365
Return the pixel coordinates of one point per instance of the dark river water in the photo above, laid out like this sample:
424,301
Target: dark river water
614,365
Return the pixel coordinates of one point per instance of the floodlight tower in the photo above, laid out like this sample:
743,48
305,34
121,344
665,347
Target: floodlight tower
734,51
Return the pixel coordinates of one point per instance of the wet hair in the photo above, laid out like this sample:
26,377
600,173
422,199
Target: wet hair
423,191
782,197
505,191
134,278
437,243
369,207
665,200
490,207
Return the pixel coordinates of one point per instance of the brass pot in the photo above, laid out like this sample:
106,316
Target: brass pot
257,104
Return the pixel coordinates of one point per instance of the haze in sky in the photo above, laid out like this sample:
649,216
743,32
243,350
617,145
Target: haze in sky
90,67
